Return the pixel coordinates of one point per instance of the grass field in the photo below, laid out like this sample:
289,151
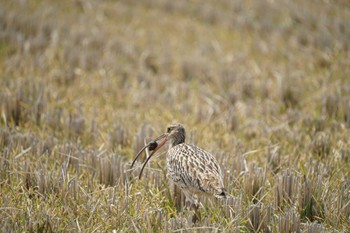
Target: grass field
262,85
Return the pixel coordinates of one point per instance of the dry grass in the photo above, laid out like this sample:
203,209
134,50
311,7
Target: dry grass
263,85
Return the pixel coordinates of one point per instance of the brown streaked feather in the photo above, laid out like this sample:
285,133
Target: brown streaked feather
193,168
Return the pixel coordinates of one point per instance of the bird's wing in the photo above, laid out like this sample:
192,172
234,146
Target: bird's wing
199,170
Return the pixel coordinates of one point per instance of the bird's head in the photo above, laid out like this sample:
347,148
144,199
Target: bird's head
175,134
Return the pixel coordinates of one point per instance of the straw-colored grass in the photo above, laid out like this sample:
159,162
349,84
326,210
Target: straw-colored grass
263,85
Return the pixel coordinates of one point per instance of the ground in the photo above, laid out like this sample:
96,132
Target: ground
262,85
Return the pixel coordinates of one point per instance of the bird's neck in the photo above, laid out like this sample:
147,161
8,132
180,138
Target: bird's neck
176,141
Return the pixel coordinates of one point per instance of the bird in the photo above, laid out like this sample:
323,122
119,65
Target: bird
195,171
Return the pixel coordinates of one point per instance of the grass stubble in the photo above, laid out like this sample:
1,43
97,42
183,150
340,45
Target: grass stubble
263,85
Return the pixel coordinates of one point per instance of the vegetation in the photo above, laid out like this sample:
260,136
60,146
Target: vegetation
263,85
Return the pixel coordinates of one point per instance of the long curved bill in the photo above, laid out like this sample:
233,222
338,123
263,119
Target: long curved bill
138,154
161,140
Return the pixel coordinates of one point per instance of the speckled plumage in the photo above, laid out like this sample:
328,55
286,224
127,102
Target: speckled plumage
194,170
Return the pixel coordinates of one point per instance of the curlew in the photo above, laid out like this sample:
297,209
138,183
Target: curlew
194,170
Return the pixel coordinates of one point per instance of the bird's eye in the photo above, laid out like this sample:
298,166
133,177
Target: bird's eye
168,129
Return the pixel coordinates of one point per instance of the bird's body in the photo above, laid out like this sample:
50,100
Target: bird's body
194,170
